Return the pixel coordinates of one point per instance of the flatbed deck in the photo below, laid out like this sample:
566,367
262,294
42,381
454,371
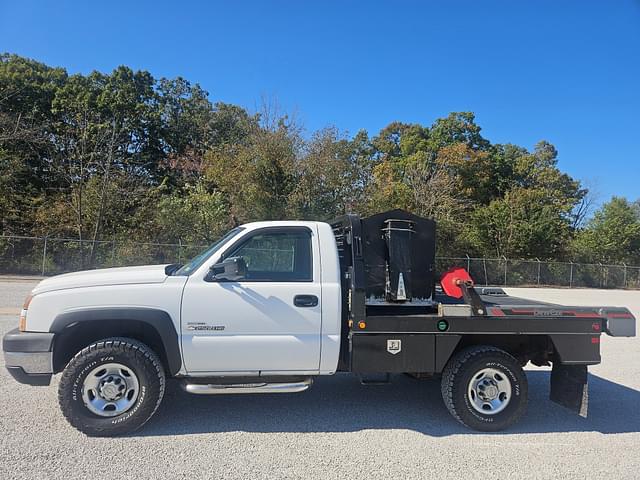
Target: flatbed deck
397,319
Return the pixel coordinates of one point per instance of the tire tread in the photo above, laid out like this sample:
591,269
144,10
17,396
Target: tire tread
452,369
125,345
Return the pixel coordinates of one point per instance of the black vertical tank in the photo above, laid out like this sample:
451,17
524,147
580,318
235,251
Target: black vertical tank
399,256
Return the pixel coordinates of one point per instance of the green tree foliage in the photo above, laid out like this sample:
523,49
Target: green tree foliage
124,155
332,177
612,235
193,215
257,175
477,192
27,89
524,223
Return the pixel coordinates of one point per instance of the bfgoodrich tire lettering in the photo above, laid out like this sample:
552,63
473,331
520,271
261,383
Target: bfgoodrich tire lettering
460,372
125,351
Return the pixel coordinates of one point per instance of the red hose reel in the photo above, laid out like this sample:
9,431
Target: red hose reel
452,279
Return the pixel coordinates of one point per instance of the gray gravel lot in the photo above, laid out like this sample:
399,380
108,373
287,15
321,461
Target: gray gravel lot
13,293
337,429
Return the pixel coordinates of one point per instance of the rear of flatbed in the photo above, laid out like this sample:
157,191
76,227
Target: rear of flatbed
421,331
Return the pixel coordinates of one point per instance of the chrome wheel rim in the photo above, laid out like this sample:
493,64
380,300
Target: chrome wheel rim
110,389
489,391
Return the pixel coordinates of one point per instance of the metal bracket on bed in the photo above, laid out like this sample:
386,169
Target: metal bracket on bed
471,297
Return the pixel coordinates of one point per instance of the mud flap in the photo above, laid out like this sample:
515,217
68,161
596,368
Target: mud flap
569,387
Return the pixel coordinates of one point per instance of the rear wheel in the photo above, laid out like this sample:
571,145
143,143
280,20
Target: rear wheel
485,388
111,387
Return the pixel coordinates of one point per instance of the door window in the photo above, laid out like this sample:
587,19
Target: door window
282,256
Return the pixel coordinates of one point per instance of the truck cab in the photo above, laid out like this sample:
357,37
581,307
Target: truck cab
273,309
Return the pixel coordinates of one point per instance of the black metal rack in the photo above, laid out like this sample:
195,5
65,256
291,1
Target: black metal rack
387,264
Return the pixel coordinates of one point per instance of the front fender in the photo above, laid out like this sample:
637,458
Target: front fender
157,319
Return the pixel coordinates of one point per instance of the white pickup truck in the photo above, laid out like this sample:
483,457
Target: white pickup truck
273,304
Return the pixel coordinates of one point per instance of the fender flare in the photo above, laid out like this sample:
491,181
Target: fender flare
159,320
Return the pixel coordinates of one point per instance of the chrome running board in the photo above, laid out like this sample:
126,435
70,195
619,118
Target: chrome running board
222,389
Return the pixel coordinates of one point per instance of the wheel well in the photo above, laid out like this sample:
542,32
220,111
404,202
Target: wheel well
79,335
538,349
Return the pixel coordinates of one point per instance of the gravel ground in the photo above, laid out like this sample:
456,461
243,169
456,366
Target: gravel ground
337,429
12,294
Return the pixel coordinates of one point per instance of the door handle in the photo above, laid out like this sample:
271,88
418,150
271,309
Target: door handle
305,301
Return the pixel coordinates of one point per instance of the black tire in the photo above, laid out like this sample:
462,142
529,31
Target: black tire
134,355
462,369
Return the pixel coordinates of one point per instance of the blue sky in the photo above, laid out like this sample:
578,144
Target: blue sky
564,71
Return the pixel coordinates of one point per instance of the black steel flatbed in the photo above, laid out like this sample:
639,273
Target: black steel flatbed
571,333
397,320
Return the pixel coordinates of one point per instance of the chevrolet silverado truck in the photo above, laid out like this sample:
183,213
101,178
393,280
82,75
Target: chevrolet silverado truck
272,305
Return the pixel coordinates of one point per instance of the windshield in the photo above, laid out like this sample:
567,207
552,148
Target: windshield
192,265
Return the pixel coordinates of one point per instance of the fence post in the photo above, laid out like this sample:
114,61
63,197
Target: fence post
468,262
484,264
603,282
624,276
44,255
179,250
571,276
505,269
538,270
113,253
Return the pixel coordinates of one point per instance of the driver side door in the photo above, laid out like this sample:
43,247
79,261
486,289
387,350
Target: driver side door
267,322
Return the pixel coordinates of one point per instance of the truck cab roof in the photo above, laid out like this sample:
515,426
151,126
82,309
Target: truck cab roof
281,223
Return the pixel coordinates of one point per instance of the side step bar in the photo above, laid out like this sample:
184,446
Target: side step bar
226,389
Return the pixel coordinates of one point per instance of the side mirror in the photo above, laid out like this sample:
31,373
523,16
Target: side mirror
231,269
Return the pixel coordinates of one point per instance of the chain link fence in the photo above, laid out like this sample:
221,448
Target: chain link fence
509,272
50,256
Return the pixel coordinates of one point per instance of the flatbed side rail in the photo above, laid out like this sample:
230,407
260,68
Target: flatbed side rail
617,321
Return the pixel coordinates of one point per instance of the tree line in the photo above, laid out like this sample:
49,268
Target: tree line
127,156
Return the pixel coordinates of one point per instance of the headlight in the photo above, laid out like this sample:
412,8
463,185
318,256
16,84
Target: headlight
23,314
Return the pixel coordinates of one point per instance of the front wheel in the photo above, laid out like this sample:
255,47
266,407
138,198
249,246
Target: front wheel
111,387
485,388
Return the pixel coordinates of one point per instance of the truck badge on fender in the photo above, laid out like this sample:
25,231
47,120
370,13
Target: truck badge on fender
199,326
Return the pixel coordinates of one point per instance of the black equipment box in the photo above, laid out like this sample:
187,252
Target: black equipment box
389,257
